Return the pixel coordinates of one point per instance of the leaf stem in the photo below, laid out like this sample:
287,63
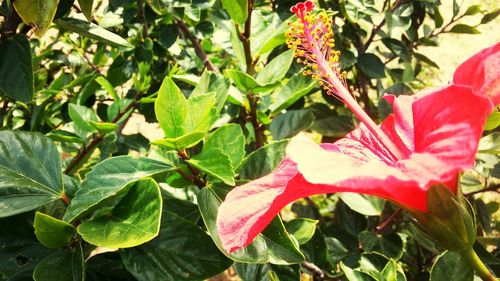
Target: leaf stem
195,174
142,17
481,269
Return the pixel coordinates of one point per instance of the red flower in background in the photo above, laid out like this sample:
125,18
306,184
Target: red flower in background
429,139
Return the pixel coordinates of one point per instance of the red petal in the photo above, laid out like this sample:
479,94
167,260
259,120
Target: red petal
448,124
482,73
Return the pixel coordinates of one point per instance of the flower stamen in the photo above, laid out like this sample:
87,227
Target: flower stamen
313,40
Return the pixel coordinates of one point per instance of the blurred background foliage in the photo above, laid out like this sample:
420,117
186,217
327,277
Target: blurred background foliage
80,92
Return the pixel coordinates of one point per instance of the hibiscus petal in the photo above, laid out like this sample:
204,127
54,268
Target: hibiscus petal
482,73
448,124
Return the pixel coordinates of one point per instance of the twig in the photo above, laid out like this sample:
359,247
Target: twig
377,28
492,187
142,17
317,273
90,63
196,45
383,225
76,162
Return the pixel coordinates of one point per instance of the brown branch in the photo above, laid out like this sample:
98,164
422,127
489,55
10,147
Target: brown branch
86,150
90,63
493,187
245,39
388,221
142,17
3,110
196,45
379,26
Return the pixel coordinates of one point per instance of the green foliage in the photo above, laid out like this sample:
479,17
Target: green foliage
85,196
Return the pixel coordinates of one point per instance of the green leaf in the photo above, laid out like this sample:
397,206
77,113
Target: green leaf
134,221
490,16
51,232
371,65
183,121
171,109
64,136
267,272
263,160
273,245
109,179
104,127
389,245
294,89
182,251
274,39
185,141
82,115
327,122
354,275
37,13
451,266
276,69
215,163
456,8
30,172
237,9
472,10
493,121
302,229
86,6
230,139
106,85
363,204
242,80
463,28
16,71
93,31
291,123
68,265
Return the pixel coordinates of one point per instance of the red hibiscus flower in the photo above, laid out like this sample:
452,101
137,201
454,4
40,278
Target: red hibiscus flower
429,139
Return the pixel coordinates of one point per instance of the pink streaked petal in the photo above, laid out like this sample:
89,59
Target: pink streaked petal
404,121
482,73
362,145
403,183
448,124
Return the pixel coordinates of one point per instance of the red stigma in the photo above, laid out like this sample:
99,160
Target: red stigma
301,8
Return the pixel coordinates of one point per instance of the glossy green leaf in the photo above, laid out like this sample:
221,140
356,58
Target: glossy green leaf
93,31
291,123
237,9
210,82
472,10
183,121
490,16
389,245
451,266
247,83
51,232
110,179
182,251
104,127
230,139
263,160
86,7
363,204
16,71
37,13
463,28
328,122
354,275
267,272
273,245
30,172
81,116
134,221
276,69
67,265
215,163
276,38
185,141
64,136
294,89
302,229
371,65
107,86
